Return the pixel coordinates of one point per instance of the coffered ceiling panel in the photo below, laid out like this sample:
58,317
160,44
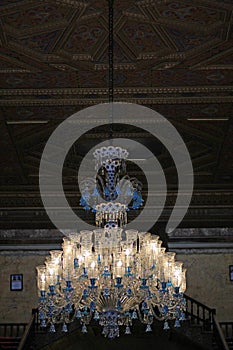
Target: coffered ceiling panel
175,57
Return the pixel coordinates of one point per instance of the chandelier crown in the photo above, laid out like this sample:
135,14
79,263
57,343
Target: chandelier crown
105,155
112,193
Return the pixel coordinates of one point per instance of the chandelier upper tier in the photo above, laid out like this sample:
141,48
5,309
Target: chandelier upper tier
112,193
111,275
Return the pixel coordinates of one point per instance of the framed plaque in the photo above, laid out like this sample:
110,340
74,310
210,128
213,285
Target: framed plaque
231,272
16,282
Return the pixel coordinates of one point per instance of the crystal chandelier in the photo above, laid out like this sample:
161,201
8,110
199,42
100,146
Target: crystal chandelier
111,275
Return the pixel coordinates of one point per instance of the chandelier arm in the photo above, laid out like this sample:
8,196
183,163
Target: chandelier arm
171,308
159,318
139,313
116,177
101,181
162,318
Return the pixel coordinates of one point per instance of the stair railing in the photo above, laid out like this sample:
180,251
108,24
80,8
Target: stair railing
227,328
218,335
29,331
205,316
14,330
199,313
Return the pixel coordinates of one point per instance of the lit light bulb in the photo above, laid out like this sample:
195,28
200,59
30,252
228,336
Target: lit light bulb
86,254
42,279
127,252
119,263
51,271
80,258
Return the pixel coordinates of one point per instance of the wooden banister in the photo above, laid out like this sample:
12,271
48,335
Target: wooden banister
218,335
227,328
199,313
28,331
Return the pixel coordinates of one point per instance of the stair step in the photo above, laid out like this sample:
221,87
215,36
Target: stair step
9,343
229,343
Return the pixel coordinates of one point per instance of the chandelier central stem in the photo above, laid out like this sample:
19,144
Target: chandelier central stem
110,65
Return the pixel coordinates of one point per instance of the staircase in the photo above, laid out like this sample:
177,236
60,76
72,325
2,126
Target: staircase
9,343
201,331
227,330
11,334
212,333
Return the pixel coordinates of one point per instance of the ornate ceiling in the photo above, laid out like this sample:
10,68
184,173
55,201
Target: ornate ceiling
175,57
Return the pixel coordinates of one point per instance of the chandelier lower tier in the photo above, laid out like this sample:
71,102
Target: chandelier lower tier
114,277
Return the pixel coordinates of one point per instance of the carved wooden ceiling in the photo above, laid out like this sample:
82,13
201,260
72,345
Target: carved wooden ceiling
175,57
